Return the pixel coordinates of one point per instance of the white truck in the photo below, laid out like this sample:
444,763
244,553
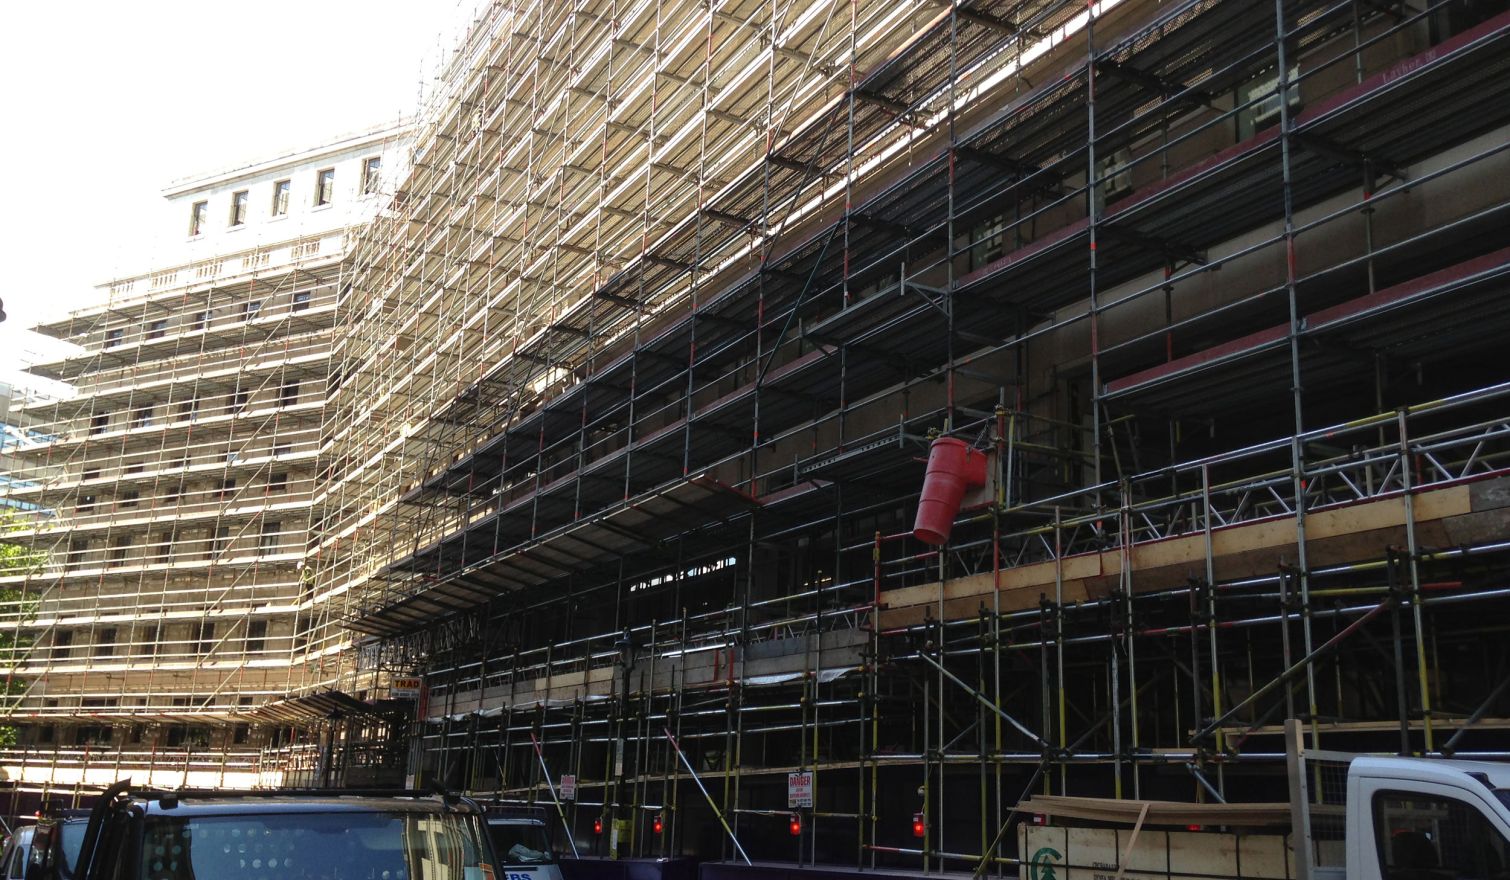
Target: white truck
1387,818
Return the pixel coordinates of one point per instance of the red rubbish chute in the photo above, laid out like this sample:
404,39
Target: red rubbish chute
953,468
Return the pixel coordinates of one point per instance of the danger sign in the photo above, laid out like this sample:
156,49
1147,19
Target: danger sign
569,787
799,789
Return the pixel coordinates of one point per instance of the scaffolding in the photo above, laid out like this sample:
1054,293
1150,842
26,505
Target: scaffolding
629,383
636,374
162,509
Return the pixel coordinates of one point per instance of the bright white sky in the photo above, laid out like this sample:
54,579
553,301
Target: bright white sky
107,101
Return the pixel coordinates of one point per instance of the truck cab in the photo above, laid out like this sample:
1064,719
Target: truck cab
1421,819
1350,817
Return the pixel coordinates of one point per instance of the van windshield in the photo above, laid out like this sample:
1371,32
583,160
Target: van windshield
370,846
520,843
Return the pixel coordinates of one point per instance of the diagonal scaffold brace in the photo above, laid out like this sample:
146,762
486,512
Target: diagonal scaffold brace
551,784
704,789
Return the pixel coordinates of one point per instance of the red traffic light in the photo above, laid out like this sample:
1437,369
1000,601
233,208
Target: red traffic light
794,825
656,825
918,825
597,825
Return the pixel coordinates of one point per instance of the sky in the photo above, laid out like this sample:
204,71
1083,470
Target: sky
107,102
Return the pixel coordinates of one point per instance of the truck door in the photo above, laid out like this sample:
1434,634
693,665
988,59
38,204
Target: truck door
1438,834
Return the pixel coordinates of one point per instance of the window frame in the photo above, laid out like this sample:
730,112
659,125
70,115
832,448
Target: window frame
372,171
240,203
281,191
1460,797
325,187
199,217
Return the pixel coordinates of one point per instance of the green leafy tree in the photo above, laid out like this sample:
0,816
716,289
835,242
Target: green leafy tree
16,558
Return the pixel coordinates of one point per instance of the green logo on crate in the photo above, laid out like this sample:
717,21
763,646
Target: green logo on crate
1040,867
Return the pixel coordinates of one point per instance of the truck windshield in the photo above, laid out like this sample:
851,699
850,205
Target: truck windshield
355,845
520,844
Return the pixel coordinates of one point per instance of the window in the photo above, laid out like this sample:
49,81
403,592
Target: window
199,215
280,198
277,482
227,488
256,636
222,540
173,493
236,401
104,642
198,320
118,548
282,449
141,417
288,395
1424,835
91,474
132,469
162,547
86,502
301,301
99,423
157,329
250,308
204,636
114,337
987,240
62,644
241,734
325,186
126,499
371,169
149,636
191,737
189,407
271,533
238,208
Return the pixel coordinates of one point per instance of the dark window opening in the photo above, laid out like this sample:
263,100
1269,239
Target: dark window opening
256,636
